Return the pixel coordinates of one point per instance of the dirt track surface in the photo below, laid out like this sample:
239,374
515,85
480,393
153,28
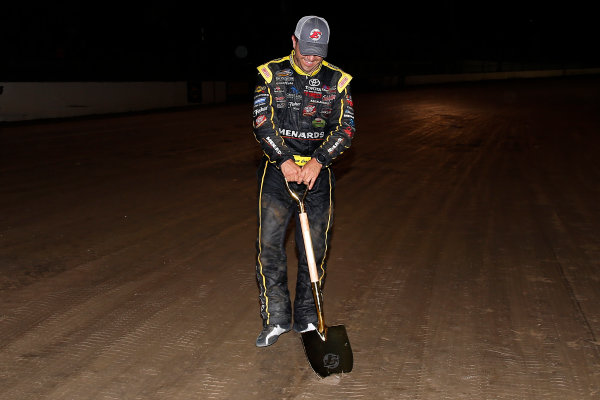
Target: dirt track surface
465,259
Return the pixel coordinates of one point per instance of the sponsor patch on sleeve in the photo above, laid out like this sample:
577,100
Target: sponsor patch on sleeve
266,73
344,81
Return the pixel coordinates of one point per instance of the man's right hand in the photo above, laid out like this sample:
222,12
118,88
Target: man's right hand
291,171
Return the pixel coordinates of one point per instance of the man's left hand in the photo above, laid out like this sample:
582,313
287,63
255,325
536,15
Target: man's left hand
310,172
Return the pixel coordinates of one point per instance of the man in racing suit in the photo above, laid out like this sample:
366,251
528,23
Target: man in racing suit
303,119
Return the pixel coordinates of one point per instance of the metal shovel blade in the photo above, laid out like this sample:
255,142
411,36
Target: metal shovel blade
330,356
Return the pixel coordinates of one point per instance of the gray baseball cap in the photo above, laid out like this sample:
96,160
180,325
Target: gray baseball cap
313,36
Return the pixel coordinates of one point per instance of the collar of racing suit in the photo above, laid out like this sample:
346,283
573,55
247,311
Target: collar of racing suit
299,70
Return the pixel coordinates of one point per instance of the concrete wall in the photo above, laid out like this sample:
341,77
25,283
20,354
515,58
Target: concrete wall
470,77
20,101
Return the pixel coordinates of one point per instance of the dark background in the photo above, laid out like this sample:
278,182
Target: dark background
177,40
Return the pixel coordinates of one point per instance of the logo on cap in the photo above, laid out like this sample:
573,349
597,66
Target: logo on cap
315,34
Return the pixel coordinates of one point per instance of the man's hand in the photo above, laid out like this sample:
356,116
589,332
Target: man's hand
310,172
291,171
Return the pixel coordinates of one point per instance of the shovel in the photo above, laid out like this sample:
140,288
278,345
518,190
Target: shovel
327,348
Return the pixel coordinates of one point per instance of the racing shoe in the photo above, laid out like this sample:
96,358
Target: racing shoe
305,328
270,334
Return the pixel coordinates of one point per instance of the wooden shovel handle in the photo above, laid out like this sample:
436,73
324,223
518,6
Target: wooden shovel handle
310,254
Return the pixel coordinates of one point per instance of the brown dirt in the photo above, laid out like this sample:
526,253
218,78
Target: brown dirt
464,262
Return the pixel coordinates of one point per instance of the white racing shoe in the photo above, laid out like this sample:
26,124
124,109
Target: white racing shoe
306,328
270,334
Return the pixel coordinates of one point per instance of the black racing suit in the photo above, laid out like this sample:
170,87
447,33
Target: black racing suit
296,116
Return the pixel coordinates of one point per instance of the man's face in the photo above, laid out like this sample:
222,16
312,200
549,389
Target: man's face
307,64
